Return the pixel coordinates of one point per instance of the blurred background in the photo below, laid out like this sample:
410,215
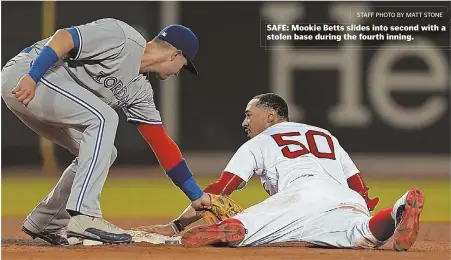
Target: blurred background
387,103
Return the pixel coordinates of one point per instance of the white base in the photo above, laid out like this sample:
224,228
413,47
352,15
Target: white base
87,242
141,236
137,237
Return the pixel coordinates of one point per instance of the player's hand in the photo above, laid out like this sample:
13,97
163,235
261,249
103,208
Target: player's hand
201,202
166,230
25,90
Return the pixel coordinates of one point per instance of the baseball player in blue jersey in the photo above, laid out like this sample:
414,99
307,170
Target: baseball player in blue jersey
66,87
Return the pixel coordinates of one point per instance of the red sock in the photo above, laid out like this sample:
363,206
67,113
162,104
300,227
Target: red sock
382,225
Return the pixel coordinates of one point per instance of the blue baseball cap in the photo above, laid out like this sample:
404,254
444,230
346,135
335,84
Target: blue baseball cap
183,39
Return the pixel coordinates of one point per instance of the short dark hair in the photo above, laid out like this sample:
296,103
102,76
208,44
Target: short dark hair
161,42
274,101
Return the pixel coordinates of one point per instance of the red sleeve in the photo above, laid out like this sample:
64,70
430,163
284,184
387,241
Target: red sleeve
356,183
225,185
166,150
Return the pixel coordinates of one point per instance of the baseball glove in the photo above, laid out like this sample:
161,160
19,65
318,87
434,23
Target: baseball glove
221,208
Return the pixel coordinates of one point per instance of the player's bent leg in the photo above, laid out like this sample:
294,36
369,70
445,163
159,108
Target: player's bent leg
342,227
339,220
402,221
85,226
49,218
361,237
81,109
382,225
279,218
229,232
94,162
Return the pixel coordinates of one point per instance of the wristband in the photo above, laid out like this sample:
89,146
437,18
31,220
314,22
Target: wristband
191,189
42,63
183,178
178,226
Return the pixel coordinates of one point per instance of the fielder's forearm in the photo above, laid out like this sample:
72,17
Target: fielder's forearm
170,158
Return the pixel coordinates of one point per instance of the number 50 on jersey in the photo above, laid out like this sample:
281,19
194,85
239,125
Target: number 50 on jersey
311,141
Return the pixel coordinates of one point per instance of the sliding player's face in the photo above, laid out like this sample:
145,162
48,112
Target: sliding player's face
256,119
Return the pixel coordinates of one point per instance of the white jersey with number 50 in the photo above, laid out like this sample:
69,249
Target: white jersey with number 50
286,152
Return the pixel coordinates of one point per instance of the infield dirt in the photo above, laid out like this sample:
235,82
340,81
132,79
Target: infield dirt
433,243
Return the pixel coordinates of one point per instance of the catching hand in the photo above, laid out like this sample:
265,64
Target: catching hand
201,202
221,208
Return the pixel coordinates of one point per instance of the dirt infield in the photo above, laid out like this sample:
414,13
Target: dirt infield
433,243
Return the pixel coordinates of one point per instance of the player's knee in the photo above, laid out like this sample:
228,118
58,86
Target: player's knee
72,146
9,81
108,119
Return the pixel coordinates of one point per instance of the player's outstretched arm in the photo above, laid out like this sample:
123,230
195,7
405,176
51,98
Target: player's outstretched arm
59,45
225,185
170,158
238,170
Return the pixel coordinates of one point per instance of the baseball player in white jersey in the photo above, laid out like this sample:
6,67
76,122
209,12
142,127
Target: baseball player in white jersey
66,87
313,198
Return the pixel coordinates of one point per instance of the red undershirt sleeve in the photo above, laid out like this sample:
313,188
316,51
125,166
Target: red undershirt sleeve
225,185
356,183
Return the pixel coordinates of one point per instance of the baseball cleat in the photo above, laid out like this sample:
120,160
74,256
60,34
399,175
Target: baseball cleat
211,234
97,229
406,213
54,237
